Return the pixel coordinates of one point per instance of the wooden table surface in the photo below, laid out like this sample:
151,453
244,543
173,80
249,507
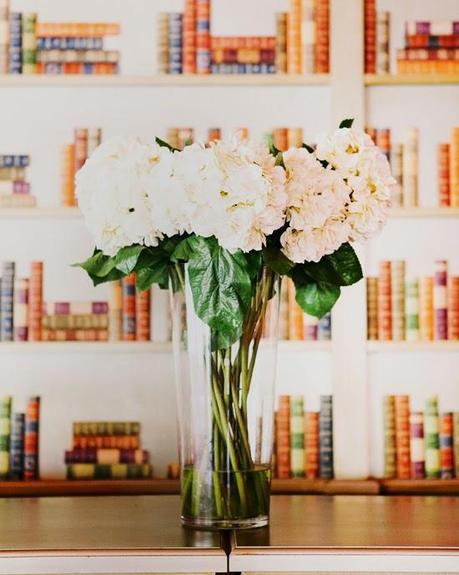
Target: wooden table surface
353,533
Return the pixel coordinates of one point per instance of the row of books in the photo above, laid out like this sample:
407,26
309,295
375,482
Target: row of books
301,44
14,187
419,445
303,440
28,46
19,440
425,308
73,157
430,47
107,450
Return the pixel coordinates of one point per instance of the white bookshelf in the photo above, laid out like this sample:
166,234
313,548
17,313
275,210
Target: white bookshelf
135,380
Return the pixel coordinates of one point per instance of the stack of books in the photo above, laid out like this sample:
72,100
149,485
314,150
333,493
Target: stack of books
14,187
420,309
377,39
107,450
75,321
19,441
419,445
73,157
303,440
448,170
301,44
28,46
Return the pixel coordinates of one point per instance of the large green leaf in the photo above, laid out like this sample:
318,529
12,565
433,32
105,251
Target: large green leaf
126,259
342,268
184,249
221,287
317,298
277,261
100,268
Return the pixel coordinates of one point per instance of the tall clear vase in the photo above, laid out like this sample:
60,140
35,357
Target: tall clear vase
225,401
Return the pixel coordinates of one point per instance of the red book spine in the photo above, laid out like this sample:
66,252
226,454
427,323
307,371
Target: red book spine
106,442
311,433
383,141
444,198
440,300
453,308
107,456
189,38
385,301
129,311
322,16
417,446
283,438
214,134
143,310
35,301
446,446
31,440
370,36
402,436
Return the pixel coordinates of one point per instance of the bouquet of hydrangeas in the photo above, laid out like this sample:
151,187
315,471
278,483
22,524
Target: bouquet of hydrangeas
236,216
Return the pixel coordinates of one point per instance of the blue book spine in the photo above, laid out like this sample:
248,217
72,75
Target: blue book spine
326,437
63,43
324,327
14,161
7,302
15,43
175,43
17,446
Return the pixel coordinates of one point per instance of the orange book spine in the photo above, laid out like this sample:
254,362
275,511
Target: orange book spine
283,438
281,42
106,442
294,17
402,436
189,38
68,176
280,137
446,446
35,301
426,308
143,310
81,147
295,137
214,134
322,16
444,198
295,314
311,433
427,66
370,36
453,309
78,29
454,166
372,308
385,301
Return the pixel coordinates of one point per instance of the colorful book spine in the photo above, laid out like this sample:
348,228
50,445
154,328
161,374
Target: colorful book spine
32,440
322,17
17,447
5,435
426,316
283,438
163,42
100,428
446,446
453,308
396,161
202,36
115,316
417,445
21,310
372,308
295,137
412,310
77,29
81,147
294,17
383,141
326,437
410,168
4,35
310,328
444,198
15,44
80,471
29,43
384,300
456,442
370,36
175,42
96,309
7,302
281,42
311,423
35,301
297,436
432,28
189,37
129,311
454,167
280,138
143,310
283,310
402,436
68,175
398,300
324,328
382,42
295,314
94,140
432,438
213,135
390,452
106,442
440,300
107,456
308,37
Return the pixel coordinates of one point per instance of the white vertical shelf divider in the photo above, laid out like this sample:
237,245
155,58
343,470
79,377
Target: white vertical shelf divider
350,435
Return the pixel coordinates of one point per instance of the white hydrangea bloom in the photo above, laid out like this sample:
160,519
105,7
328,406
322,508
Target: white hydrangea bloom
112,192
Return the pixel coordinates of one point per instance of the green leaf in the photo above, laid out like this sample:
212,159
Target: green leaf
277,261
184,249
113,275
254,264
126,259
342,268
347,123
98,264
221,287
164,144
310,149
317,298
152,267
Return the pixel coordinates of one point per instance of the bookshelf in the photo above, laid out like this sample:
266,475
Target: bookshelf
358,372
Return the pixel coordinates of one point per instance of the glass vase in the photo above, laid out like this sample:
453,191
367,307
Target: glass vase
225,405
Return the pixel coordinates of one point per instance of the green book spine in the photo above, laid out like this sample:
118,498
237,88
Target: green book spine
390,461
432,438
297,436
106,428
412,310
115,471
5,435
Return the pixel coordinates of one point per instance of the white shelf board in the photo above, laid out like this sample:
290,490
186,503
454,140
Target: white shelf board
40,213
427,212
160,80
412,346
